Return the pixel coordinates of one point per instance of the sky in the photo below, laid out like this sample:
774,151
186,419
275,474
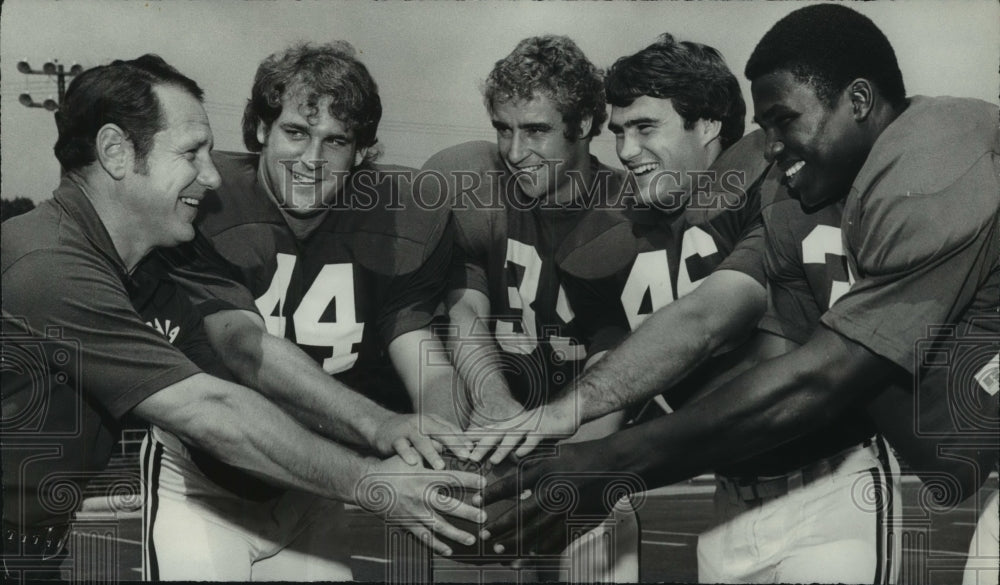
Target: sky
428,58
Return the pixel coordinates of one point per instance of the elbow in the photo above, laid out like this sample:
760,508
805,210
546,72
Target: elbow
241,350
214,425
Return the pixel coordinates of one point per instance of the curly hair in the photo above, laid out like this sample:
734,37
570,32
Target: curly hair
827,46
122,93
555,67
694,77
315,71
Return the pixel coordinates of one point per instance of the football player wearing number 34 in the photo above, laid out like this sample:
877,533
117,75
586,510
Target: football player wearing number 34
342,263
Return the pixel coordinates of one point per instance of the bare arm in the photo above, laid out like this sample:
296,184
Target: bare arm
239,427
658,354
672,342
432,383
290,378
477,360
760,409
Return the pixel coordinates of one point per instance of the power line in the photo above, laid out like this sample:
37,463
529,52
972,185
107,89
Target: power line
50,69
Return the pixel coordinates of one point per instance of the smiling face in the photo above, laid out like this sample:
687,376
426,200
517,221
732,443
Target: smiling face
307,154
660,153
531,138
167,187
820,148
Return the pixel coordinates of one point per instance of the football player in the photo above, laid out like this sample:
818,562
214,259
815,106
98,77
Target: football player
341,261
655,96
840,128
515,202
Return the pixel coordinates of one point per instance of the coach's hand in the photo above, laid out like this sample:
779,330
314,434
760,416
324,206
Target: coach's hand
412,436
560,499
556,420
423,498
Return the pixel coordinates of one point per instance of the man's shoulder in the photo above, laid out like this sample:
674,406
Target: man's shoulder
43,229
930,146
230,162
238,199
393,230
745,155
473,156
601,244
928,187
387,202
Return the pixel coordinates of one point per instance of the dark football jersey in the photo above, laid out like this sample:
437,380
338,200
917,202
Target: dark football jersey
805,264
807,272
922,228
505,247
624,262
921,231
374,268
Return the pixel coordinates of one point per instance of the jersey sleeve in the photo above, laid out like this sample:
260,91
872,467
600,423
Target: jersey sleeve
593,262
192,341
743,177
466,177
792,311
122,361
210,280
600,320
469,265
919,260
418,295
747,255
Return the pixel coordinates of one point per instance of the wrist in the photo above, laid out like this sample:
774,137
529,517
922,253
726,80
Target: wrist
364,481
368,426
570,408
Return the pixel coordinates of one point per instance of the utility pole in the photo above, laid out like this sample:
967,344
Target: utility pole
50,68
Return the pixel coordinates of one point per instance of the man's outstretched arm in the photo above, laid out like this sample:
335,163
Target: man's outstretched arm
284,373
241,428
758,410
658,354
672,342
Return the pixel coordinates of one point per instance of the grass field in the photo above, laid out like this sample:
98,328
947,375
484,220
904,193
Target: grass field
107,546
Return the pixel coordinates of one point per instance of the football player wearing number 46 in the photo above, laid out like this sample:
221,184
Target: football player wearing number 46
676,107
343,263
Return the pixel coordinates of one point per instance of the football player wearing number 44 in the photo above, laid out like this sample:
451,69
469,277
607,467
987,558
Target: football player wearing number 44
342,263
918,181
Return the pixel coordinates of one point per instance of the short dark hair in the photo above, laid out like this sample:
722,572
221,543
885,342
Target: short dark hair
121,93
319,70
694,77
828,46
555,67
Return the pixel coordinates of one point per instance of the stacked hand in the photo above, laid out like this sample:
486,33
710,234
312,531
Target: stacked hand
556,420
423,498
413,436
561,499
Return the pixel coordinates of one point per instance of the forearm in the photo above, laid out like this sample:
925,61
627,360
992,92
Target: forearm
431,381
671,343
477,361
287,376
239,427
763,408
